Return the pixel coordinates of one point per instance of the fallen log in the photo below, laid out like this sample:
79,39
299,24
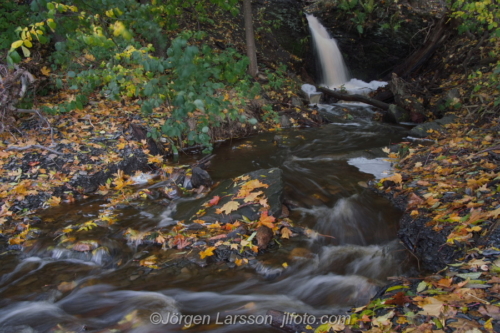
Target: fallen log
354,98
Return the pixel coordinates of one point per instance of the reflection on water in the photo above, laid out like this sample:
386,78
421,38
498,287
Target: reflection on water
353,252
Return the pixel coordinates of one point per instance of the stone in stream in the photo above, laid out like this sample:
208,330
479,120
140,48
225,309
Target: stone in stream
420,130
228,190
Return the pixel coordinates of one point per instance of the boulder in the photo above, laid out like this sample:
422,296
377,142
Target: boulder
420,131
228,190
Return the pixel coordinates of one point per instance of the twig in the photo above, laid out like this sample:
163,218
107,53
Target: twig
479,299
34,147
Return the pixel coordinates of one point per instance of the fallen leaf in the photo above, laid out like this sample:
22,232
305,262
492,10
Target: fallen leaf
229,207
208,252
214,201
266,220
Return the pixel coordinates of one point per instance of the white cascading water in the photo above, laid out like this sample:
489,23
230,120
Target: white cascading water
334,71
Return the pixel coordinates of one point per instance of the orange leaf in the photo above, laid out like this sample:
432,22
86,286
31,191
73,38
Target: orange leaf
208,252
266,220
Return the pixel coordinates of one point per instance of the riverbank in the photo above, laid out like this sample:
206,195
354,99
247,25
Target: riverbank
449,192
102,149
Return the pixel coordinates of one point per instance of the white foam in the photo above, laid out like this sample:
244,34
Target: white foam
355,86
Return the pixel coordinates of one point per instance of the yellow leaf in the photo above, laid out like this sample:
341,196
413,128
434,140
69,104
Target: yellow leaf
89,57
149,261
249,187
252,196
208,252
54,201
229,207
285,265
494,213
155,159
286,233
45,71
121,145
489,325
397,178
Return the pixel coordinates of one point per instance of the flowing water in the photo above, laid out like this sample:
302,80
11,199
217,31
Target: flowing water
334,71
50,288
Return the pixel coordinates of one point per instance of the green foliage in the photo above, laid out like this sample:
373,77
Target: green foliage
477,15
348,4
199,75
369,13
481,17
11,14
108,47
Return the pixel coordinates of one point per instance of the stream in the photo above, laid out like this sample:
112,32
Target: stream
48,288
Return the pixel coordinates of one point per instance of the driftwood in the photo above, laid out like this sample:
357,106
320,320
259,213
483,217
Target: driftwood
354,98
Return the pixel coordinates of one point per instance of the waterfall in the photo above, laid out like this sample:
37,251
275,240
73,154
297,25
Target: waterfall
333,70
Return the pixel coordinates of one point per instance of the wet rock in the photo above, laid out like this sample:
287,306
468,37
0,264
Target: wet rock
397,114
297,101
285,122
194,257
264,236
238,232
200,177
226,191
436,125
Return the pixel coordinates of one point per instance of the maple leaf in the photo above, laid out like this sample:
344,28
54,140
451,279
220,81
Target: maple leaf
266,220
263,202
286,233
155,159
120,183
494,213
430,306
208,252
252,196
249,187
397,178
229,207
54,201
160,239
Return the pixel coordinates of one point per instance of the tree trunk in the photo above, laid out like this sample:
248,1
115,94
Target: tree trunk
250,38
438,35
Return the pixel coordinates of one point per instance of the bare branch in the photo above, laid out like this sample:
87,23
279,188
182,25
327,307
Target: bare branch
34,147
